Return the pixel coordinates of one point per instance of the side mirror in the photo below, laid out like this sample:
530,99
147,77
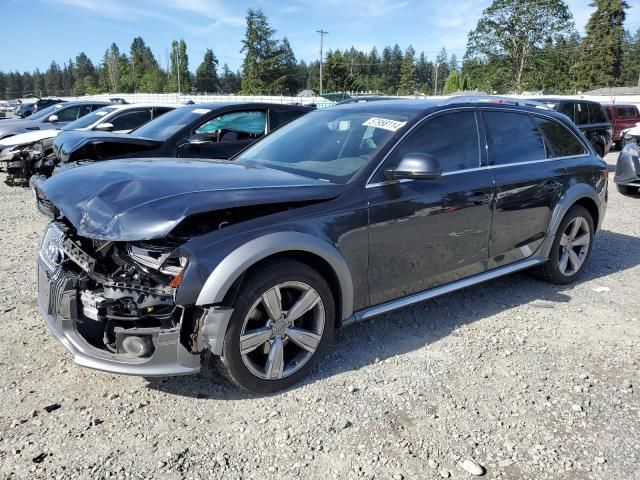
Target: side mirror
52,118
199,139
104,127
418,166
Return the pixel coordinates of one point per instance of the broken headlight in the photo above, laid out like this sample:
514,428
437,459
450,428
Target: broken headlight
38,148
158,258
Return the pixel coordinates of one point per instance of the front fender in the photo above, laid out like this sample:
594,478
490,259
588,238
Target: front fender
239,260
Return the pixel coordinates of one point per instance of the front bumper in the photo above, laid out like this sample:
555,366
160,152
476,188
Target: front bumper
628,167
58,304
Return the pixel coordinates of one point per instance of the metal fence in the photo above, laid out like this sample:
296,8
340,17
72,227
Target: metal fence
174,98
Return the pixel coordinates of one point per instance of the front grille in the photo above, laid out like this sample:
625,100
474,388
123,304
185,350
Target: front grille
51,254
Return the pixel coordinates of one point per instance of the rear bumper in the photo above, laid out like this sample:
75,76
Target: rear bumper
169,357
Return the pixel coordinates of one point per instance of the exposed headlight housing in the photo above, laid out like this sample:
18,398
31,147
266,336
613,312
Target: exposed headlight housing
158,258
38,148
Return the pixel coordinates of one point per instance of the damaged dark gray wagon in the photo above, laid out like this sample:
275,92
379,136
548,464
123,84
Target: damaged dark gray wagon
341,215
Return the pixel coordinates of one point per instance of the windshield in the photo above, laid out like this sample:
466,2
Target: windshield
46,112
330,145
166,125
90,119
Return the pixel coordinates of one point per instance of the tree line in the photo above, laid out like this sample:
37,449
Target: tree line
517,45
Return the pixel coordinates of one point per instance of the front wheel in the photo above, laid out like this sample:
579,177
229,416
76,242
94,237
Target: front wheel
571,247
283,320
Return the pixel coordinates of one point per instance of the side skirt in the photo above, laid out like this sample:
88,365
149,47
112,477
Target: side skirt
437,291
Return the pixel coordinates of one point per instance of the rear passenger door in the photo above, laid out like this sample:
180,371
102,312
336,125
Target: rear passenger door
528,178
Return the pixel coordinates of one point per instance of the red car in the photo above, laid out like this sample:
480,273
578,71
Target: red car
622,117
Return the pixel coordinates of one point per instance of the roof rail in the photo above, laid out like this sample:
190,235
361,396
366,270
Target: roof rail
494,99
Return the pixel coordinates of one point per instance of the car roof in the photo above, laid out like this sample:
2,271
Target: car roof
558,100
423,105
87,102
217,105
127,106
626,105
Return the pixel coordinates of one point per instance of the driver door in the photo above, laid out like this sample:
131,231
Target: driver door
425,233
225,135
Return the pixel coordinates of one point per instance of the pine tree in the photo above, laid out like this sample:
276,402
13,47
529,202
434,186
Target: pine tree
601,61
206,74
631,60
453,83
260,67
408,73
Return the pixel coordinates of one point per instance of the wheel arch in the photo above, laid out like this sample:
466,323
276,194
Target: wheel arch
578,194
304,247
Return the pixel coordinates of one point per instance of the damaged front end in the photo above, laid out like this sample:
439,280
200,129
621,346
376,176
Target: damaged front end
21,162
112,304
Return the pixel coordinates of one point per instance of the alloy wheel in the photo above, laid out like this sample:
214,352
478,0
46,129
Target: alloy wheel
574,246
282,330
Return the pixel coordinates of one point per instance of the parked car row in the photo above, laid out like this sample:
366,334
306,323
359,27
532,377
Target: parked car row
319,219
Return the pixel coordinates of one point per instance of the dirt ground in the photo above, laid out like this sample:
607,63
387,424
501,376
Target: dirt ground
530,380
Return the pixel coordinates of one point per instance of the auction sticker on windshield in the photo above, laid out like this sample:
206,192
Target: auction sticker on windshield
384,123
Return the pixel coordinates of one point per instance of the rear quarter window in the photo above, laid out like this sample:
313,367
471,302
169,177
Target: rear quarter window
596,113
560,141
626,112
512,138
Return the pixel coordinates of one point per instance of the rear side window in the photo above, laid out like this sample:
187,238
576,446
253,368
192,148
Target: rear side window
68,114
560,141
596,113
512,138
280,117
452,138
625,112
582,113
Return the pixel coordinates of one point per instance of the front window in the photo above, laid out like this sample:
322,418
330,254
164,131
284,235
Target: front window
67,114
46,112
330,145
162,128
235,126
90,119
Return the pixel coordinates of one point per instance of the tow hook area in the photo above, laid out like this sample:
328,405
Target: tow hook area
216,320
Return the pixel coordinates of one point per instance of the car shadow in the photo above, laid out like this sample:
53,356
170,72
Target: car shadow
414,327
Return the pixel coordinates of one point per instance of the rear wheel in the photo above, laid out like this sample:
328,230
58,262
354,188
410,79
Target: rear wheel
283,320
571,247
627,190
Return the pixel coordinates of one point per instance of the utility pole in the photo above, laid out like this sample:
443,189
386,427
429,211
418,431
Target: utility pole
322,34
177,60
435,84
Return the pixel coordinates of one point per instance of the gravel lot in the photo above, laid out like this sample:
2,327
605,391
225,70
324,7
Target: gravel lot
529,380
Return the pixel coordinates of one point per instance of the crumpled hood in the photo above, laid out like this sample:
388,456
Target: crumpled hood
72,141
30,137
143,199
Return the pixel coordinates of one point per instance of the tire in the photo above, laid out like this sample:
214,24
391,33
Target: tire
617,145
272,358
627,190
561,267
